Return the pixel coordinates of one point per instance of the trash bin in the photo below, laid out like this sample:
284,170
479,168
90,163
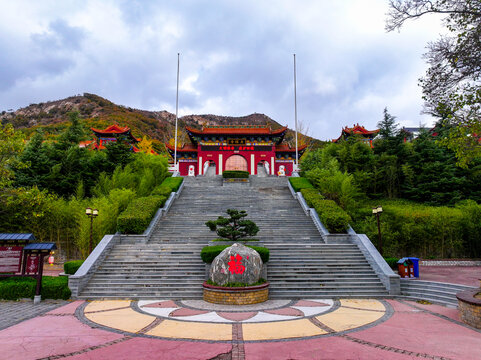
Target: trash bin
405,268
415,266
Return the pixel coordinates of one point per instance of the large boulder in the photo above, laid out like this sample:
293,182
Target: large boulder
236,264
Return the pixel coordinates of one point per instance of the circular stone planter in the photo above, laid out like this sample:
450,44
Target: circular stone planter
236,295
470,307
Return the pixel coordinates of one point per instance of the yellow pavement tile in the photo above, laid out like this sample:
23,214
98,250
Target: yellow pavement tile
345,319
99,305
280,330
368,304
192,330
125,319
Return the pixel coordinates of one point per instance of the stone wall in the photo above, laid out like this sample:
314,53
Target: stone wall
236,297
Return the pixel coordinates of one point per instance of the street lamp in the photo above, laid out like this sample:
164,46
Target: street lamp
377,211
91,214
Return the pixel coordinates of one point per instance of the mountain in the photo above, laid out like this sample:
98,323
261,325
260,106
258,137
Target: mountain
51,117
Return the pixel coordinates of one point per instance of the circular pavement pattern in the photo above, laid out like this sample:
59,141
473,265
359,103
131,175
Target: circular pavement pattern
274,320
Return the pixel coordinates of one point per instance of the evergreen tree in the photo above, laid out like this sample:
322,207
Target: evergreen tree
233,228
388,128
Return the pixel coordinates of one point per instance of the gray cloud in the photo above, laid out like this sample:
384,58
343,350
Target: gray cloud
236,58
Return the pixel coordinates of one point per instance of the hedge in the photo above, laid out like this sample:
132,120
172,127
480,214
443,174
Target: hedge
136,218
235,174
71,267
161,190
299,183
392,262
53,287
173,182
332,216
209,253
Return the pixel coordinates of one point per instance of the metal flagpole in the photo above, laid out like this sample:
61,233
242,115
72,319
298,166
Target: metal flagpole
295,111
176,113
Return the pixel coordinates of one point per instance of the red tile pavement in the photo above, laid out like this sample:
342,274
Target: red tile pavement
285,311
322,348
49,335
143,348
438,309
310,303
408,332
424,333
67,309
239,316
163,304
463,275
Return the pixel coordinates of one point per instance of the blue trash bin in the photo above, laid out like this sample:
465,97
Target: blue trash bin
415,265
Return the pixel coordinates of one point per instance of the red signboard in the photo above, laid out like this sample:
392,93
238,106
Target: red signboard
10,259
32,263
236,148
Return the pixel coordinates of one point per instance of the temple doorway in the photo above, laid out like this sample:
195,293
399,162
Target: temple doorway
236,162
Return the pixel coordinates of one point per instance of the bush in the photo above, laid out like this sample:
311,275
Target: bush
136,218
299,183
162,190
53,287
235,174
71,267
333,217
209,253
392,262
173,183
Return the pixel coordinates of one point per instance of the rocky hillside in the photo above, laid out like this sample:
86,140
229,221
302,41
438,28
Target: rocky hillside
98,112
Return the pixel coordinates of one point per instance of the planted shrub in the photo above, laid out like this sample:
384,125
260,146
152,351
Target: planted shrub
392,262
209,253
233,228
173,183
299,183
334,218
235,174
136,218
71,267
53,287
162,190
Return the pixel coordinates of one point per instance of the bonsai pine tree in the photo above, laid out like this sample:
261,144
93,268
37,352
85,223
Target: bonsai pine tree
234,227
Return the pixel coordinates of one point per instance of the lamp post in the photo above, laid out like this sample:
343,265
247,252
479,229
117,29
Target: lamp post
91,214
377,211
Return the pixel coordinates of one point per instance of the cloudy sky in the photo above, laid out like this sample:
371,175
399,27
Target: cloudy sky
236,58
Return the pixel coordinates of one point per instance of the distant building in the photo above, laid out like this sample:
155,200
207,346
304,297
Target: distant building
113,133
250,148
366,136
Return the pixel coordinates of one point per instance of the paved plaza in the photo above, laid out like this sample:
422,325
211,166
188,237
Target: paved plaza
278,329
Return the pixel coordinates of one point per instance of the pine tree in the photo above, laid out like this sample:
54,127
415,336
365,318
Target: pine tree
233,228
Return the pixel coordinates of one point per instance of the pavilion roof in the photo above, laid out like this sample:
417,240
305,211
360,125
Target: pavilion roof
236,130
115,129
359,130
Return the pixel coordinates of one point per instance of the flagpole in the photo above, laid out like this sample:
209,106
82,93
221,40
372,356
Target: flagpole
176,113
295,110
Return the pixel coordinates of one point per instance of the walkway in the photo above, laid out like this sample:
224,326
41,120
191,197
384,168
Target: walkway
278,329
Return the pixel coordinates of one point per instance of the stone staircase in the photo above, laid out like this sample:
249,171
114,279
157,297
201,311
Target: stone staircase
169,266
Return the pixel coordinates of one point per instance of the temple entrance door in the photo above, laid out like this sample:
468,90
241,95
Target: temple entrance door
236,162
261,169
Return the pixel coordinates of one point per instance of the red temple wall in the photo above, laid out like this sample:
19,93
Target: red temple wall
213,156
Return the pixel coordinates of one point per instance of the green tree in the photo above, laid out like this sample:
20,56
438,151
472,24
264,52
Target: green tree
451,86
388,128
36,156
11,145
233,228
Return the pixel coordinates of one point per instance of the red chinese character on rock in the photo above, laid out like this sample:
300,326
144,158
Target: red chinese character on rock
235,265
